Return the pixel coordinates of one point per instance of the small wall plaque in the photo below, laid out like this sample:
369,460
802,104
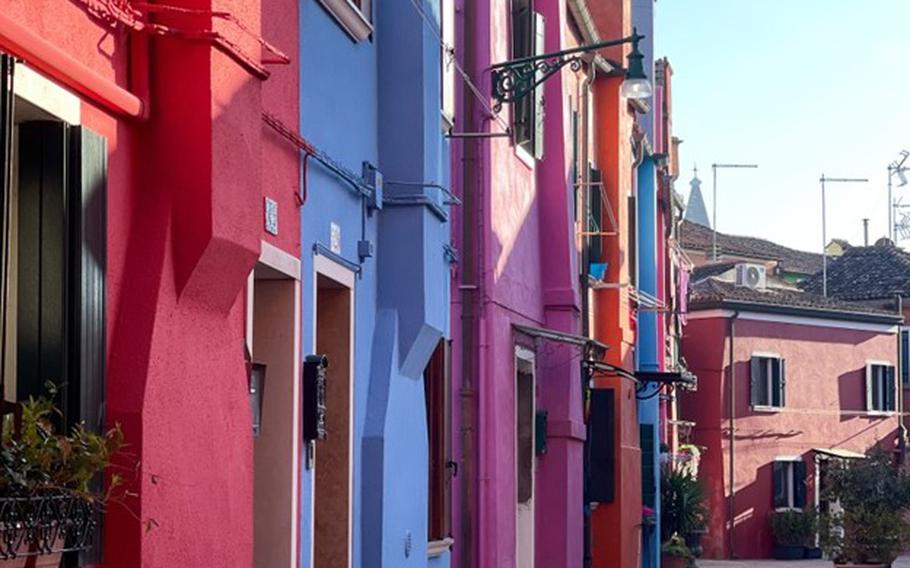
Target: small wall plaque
335,238
271,216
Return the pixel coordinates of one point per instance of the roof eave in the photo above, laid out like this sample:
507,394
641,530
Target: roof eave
830,314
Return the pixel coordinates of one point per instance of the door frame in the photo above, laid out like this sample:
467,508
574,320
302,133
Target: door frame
324,266
524,355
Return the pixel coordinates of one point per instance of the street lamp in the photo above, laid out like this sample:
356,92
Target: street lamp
823,180
714,168
515,79
896,168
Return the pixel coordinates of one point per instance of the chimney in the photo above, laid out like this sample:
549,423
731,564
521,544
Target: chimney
865,232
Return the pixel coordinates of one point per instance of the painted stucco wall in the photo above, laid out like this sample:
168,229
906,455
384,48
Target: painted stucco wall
825,402
525,259
184,225
378,101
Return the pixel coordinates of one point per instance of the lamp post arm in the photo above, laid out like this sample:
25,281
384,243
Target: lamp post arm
582,49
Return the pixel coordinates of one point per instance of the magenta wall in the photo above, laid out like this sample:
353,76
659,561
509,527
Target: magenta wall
825,401
526,256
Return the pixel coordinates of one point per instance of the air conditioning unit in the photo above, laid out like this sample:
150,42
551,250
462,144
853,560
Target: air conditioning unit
751,276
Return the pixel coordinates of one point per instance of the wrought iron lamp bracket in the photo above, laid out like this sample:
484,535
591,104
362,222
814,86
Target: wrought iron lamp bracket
515,79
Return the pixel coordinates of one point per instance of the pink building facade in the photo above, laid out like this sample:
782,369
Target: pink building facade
519,428
808,384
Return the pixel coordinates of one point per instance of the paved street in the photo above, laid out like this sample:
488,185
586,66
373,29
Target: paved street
903,562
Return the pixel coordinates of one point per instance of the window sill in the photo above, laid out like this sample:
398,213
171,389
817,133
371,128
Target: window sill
881,413
767,409
349,17
526,157
437,547
785,509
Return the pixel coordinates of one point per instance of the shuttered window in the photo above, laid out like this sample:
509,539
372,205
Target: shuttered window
602,446
648,466
57,249
528,29
768,382
881,388
436,391
789,478
905,357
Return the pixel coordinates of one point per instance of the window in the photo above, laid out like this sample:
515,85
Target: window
789,484
768,381
905,357
56,263
436,391
447,62
354,16
528,113
880,387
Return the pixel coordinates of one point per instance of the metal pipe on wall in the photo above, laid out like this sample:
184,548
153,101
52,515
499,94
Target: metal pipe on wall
732,366
469,288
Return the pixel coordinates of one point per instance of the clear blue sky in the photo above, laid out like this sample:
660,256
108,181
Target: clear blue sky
800,87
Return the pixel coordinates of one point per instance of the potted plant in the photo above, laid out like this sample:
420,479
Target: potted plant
675,554
684,512
49,485
794,533
866,526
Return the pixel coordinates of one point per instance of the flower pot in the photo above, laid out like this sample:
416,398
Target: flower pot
812,553
789,552
667,561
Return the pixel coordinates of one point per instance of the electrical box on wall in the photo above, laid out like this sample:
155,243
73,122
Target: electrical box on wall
540,432
314,378
373,178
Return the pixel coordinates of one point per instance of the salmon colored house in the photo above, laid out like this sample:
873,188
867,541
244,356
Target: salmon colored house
787,382
154,226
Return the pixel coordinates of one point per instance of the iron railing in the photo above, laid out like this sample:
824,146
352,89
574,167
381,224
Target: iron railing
45,524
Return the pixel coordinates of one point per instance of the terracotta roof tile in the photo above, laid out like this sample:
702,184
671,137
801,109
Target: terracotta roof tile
865,273
698,237
712,292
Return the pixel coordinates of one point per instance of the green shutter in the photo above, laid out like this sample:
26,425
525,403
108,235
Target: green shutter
799,484
754,374
783,382
86,293
648,466
779,490
40,327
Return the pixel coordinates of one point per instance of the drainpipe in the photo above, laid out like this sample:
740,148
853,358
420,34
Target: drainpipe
587,557
469,289
732,365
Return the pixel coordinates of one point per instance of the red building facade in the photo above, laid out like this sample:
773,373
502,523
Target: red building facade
786,381
161,110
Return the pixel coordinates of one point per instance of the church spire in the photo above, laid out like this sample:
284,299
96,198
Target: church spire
695,208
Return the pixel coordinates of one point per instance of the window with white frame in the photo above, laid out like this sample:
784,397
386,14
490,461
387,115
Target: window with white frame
354,16
447,61
789,478
768,381
880,387
528,112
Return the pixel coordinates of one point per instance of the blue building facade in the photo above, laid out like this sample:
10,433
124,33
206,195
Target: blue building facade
647,349
375,261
